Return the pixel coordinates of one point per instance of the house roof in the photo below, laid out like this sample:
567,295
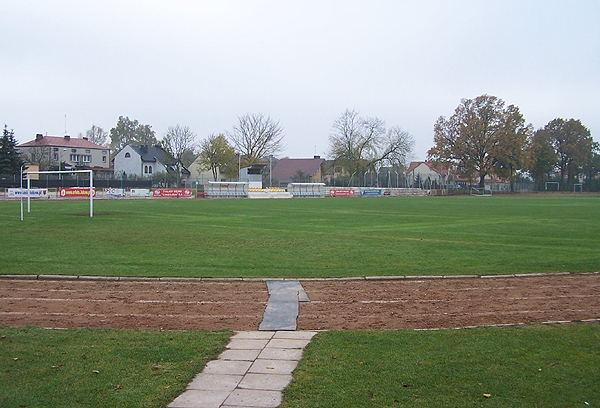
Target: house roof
66,141
153,154
287,169
440,169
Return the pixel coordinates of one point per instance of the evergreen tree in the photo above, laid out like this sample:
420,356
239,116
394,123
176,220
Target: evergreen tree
10,160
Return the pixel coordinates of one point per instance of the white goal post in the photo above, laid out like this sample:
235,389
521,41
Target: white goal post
552,183
91,173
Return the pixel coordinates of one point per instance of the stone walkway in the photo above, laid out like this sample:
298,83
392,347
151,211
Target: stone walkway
252,372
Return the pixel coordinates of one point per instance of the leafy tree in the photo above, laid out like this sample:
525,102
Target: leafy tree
591,168
573,143
541,159
130,132
256,137
361,144
97,135
472,138
10,160
217,154
509,154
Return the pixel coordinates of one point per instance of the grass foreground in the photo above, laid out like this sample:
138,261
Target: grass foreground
303,238
526,366
100,367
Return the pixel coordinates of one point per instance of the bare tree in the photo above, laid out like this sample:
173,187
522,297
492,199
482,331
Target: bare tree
177,141
97,135
256,137
361,144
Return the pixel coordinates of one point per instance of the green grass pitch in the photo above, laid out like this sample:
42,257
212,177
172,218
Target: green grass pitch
301,238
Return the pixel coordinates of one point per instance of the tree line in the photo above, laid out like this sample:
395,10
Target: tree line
484,137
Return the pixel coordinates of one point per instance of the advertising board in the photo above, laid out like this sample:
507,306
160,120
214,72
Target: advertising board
371,192
341,192
114,192
139,192
171,192
35,192
76,192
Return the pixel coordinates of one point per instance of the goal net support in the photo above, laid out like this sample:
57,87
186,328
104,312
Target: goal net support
90,172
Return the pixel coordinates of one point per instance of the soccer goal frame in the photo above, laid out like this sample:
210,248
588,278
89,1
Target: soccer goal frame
578,188
553,183
91,173
481,192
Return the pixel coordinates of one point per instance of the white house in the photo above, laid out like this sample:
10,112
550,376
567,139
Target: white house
144,161
426,175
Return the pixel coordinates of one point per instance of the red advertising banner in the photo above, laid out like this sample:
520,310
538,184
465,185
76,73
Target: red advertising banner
341,193
171,192
76,192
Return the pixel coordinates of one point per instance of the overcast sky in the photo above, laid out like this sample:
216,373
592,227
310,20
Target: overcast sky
204,63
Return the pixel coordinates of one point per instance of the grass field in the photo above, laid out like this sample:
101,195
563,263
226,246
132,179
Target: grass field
304,237
528,366
100,368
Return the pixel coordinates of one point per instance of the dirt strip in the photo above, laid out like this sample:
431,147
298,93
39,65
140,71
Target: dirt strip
341,304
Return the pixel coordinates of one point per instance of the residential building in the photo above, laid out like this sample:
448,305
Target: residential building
145,161
424,174
298,170
71,153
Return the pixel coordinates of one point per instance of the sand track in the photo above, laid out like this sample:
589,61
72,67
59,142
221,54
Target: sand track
335,304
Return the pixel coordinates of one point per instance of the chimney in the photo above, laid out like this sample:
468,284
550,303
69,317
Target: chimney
39,137
317,157
67,137
85,138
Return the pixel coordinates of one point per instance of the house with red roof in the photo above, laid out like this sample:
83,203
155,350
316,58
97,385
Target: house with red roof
73,153
298,171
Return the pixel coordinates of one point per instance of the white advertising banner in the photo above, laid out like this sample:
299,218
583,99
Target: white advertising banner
114,192
34,192
139,192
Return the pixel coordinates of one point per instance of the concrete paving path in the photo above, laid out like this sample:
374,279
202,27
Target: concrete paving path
282,307
252,372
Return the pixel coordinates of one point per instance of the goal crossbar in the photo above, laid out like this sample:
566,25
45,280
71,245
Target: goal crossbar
91,173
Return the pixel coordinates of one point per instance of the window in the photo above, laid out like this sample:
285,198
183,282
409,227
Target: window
150,169
73,150
103,151
103,159
86,159
55,149
74,158
88,151
145,169
127,155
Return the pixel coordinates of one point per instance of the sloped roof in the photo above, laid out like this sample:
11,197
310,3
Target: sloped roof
287,169
440,169
153,154
70,142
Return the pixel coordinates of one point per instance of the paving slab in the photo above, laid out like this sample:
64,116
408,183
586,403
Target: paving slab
272,367
227,367
254,398
272,353
252,372
247,344
266,382
240,354
215,382
200,399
